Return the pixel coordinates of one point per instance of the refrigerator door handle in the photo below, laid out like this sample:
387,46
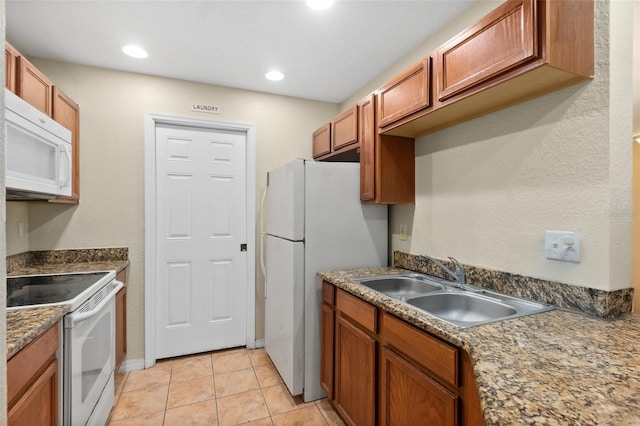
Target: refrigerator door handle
262,235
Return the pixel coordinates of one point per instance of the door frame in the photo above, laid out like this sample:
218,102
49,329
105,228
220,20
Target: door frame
150,242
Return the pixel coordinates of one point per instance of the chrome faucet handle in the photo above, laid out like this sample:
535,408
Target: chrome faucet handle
460,274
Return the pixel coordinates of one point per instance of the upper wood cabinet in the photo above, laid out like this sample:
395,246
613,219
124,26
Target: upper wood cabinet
344,129
34,87
67,113
25,80
504,39
387,163
10,62
368,134
521,50
322,141
407,93
338,139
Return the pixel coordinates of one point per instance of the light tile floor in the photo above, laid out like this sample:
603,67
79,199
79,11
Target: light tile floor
229,387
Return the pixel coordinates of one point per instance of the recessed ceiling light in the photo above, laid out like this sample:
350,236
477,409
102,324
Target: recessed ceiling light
274,75
319,4
135,51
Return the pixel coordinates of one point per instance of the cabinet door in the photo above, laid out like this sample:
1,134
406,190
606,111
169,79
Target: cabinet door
326,349
344,129
121,326
355,373
34,87
501,41
38,406
322,141
368,134
407,93
67,113
410,397
11,68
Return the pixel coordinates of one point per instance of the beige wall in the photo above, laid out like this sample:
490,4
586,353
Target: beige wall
487,189
111,211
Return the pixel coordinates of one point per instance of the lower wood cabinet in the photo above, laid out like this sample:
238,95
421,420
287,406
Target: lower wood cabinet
355,371
121,319
326,347
32,382
408,396
378,369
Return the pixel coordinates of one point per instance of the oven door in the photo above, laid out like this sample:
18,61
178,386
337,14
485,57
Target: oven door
89,357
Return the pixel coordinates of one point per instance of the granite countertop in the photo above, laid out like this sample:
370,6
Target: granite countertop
25,325
553,368
63,268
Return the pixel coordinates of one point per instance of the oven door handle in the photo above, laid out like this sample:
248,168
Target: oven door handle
74,318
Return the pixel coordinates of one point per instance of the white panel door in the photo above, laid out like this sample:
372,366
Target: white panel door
201,224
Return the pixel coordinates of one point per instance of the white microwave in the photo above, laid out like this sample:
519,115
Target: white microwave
38,152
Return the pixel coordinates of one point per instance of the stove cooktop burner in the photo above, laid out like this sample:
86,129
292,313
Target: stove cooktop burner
49,289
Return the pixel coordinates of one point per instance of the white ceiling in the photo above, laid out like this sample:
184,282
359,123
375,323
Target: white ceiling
325,55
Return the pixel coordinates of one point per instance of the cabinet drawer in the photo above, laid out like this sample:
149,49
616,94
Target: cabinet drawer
502,40
359,311
25,365
322,141
436,356
328,293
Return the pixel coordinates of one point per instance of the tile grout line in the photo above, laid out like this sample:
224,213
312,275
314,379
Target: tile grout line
253,367
215,390
256,361
166,403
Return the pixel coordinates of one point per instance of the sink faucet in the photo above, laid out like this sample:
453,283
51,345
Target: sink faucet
458,274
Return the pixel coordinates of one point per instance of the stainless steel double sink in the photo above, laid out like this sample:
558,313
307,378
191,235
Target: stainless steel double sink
457,306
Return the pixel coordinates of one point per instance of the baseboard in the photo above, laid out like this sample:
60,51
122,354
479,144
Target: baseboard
138,364
131,365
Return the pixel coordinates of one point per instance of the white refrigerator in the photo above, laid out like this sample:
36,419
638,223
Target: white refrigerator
315,222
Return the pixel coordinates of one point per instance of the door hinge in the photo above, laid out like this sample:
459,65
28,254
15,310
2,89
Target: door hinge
243,247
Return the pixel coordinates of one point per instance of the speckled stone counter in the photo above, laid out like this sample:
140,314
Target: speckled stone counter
24,325
65,261
553,368
63,268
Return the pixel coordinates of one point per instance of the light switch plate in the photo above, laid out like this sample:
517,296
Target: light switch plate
562,245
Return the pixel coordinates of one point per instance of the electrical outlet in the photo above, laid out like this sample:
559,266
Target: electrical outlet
562,245
403,232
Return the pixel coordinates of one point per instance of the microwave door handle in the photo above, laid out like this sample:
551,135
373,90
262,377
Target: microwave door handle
65,181
72,319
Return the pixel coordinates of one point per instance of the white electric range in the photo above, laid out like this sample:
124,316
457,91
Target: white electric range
88,344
